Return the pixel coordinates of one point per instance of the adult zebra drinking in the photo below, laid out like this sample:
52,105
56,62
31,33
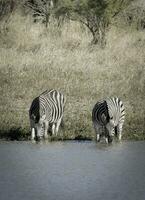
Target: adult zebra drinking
46,109
108,118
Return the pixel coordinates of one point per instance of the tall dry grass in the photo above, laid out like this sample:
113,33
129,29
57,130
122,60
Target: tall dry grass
33,59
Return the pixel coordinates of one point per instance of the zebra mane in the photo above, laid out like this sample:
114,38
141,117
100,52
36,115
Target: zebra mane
47,91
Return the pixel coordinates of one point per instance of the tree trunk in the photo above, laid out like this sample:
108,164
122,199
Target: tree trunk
99,38
102,33
47,20
96,37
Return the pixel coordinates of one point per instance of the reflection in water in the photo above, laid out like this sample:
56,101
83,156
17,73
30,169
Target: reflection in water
72,170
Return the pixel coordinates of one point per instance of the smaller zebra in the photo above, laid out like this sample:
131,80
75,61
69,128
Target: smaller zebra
108,118
46,112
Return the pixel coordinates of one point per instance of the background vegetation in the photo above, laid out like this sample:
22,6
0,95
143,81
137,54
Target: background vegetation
44,46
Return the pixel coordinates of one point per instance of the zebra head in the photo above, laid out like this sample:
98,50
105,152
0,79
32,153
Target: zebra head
40,127
39,131
110,127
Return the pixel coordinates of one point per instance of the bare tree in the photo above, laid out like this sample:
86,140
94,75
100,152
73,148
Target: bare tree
135,16
6,8
96,15
42,9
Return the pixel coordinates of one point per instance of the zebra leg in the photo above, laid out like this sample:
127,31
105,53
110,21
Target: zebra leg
46,127
106,134
98,137
32,133
106,140
119,137
53,128
119,132
57,125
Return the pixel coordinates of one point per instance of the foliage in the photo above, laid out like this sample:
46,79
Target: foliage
135,16
42,9
95,15
6,7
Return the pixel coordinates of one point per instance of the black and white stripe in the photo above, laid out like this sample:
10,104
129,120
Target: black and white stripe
108,118
46,111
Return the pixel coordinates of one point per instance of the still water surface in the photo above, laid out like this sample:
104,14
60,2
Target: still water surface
72,171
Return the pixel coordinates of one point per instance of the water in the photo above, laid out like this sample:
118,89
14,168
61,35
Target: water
72,171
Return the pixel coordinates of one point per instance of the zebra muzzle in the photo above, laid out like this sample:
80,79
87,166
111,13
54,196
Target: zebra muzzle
38,138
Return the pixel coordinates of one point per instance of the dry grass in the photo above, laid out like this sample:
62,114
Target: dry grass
33,59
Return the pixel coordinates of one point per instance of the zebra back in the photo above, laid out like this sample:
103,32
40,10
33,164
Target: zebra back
52,105
34,112
116,110
100,113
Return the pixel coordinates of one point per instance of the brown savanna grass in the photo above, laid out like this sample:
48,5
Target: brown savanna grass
33,59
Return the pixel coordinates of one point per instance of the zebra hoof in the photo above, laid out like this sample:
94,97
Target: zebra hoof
38,138
110,139
46,137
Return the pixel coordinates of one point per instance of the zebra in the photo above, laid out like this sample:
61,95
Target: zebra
108,117
46,111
